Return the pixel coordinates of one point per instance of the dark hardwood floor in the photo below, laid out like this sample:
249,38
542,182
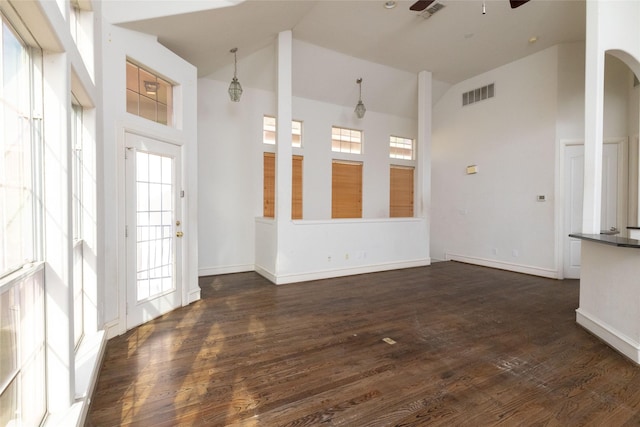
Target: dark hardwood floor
473,346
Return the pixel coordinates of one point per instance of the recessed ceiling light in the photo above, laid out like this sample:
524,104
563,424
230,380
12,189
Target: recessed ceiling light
533,39
389,4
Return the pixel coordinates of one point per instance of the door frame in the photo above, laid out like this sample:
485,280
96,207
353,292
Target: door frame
165,301
119,326
622,196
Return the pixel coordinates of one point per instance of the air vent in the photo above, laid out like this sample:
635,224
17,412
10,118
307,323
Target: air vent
431,10
480,94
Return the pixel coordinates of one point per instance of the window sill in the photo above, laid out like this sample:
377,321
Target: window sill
88,360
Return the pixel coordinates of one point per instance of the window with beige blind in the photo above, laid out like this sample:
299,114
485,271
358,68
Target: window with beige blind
269,190
346,189
401,191
148,95
269,131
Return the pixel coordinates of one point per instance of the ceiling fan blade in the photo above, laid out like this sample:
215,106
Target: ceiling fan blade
517,3
421,5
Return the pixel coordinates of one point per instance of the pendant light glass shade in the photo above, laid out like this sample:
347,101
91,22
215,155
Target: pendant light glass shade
235,89
360,109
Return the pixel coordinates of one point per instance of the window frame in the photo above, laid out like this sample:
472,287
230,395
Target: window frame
344,139
152,95
272,141
401,140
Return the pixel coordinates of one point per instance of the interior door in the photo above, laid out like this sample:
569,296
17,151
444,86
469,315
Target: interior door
153,228
574,188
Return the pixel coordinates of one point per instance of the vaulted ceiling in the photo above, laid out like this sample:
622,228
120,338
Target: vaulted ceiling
456,43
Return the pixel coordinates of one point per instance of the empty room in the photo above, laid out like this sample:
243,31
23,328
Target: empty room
358,213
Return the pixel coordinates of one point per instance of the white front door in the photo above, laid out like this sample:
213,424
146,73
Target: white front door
573,197
154,284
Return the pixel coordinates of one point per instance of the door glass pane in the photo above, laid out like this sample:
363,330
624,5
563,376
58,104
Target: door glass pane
155,251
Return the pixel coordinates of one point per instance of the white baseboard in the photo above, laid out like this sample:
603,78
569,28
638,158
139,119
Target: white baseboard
501,265
214,271
327,274
269,275
113,329
193,296
609,335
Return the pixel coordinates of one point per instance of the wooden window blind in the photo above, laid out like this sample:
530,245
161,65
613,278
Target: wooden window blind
269,186
401,191
346,189
296,188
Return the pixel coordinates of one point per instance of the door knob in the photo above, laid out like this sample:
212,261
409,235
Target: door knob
179,234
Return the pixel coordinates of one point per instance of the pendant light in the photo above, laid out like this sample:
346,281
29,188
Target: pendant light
360,109
235,90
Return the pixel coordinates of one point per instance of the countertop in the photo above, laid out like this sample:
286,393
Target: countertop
607,239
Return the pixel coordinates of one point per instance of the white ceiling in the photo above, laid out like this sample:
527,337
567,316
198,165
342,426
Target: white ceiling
456,43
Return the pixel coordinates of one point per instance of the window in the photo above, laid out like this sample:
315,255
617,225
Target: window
17,241
269,186
22,327
269,131
345,140
346,189
400,148
401,191
148,95
76,179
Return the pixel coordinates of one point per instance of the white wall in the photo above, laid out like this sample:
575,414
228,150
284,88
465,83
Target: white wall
493,217
118,45
570,97
230,169
229,174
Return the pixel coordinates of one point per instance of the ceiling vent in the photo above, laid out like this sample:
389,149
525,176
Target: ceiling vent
432,9
479,94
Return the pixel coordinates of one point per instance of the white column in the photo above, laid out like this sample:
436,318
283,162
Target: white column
283,142
424,149
594,102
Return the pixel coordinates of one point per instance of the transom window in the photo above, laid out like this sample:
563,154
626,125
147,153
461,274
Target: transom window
400,148
148,95
345,140
269,131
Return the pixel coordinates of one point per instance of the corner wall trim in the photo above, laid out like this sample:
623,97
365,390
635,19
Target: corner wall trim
618,341
501,265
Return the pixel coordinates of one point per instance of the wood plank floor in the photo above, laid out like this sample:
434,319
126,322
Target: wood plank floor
473,346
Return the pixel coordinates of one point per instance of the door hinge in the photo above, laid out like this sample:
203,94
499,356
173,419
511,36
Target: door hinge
181,193
126,308
126,231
